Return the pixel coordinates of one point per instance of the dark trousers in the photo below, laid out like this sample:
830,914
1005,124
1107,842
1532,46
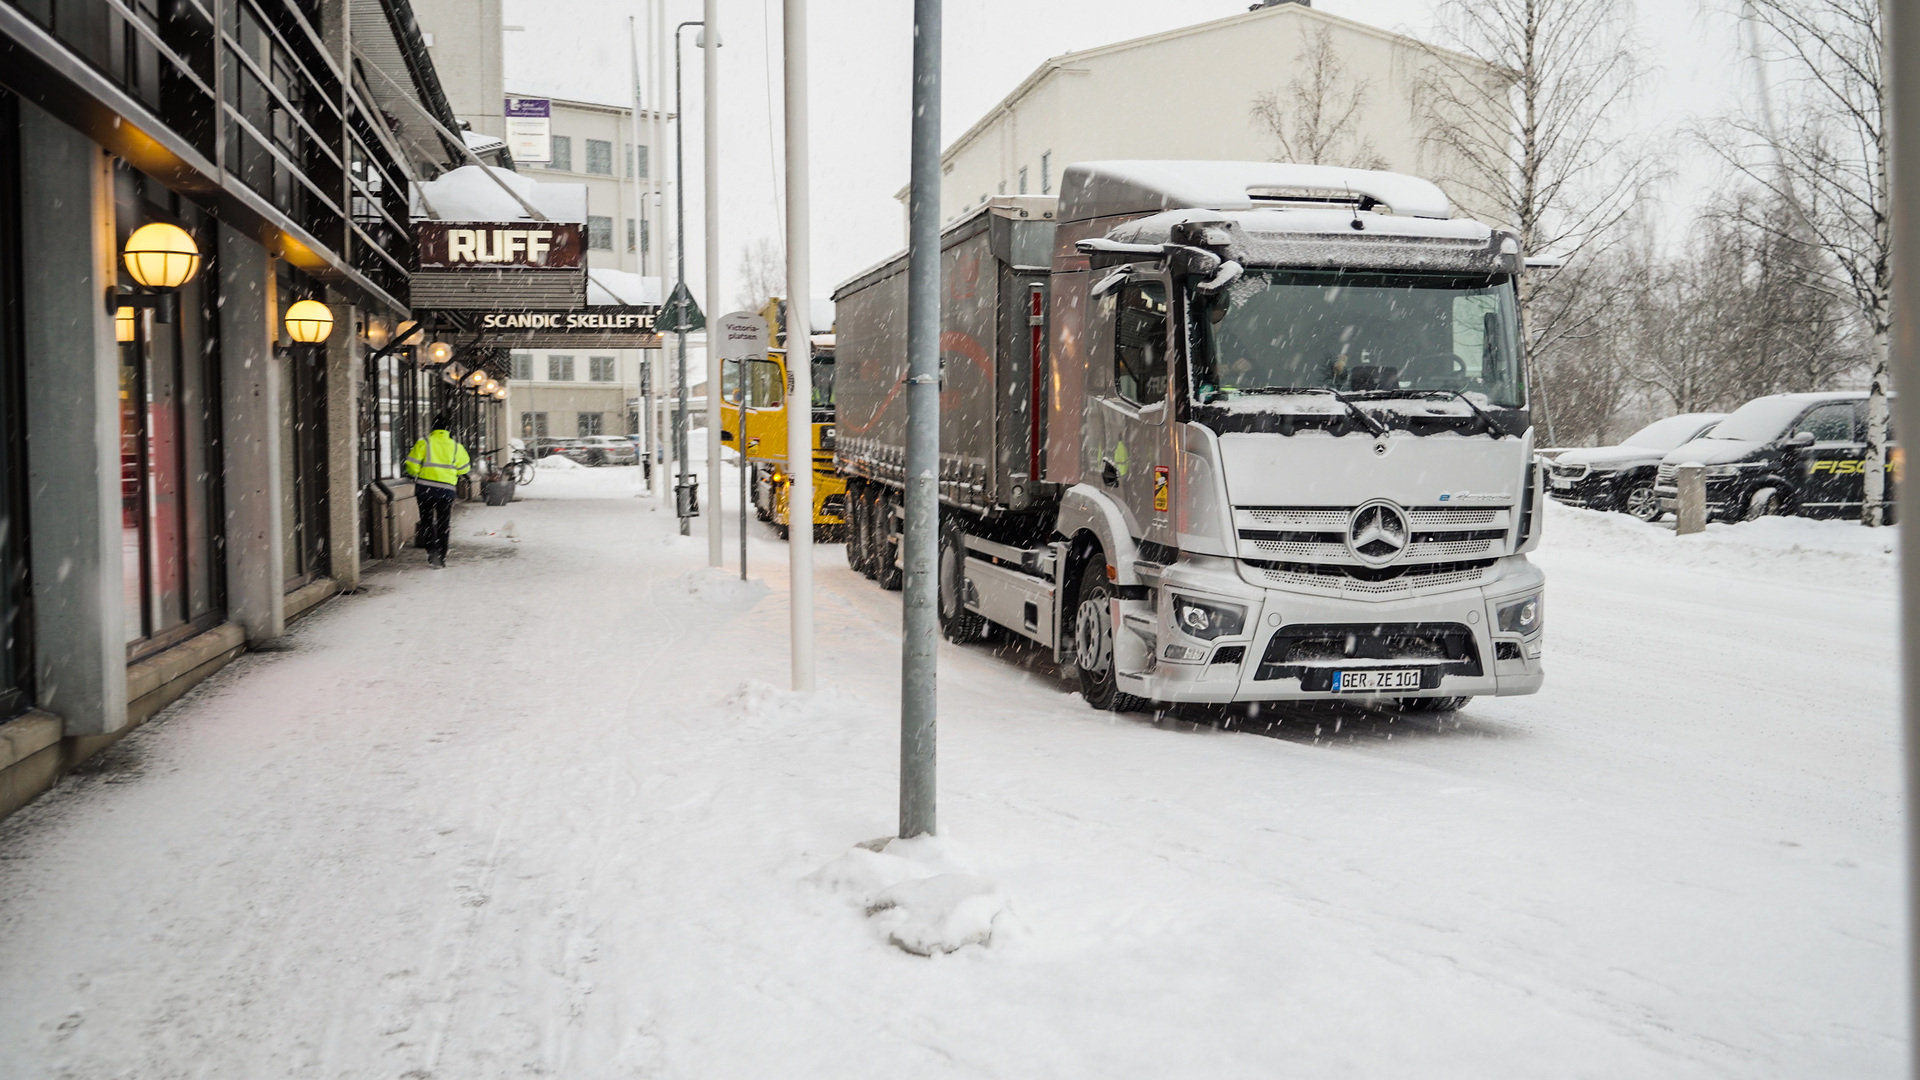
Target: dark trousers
436,512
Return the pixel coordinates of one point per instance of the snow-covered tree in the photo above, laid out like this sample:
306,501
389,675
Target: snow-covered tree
1315,120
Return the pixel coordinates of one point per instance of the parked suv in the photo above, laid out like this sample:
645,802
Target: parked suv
1783,454
607,450
1621,477
548,446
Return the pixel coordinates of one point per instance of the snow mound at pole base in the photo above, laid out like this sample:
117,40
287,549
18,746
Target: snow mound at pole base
556,461
917,899
719,583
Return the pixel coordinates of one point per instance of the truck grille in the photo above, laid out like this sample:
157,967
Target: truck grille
1338,581
1313,652
1318,534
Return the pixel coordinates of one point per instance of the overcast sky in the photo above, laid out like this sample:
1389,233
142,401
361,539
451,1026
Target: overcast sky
860,90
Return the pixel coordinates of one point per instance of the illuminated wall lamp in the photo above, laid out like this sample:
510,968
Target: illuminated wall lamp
124,324
439,352
161,258
309,322
492,387
477,377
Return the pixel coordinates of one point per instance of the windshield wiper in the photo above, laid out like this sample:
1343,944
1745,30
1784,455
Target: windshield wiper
1491,426
1355,411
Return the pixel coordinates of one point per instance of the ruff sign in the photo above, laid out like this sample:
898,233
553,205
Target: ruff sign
504,245
469,265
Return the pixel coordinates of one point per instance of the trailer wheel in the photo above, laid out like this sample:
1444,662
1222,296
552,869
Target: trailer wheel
886,551
1093,642
956,622
753,489
856,537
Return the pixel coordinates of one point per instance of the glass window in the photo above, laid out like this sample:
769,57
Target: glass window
522,366
591,423
1023,179
533,425
1046,173
1140,342
823,382
600,368
560,369
1829,423
632,235
599,232
562,154
600,157
1278,330
170,513
643,160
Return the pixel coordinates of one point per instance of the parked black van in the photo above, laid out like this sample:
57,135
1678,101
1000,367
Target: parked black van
1783,454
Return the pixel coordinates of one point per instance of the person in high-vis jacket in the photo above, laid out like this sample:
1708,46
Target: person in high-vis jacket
436,464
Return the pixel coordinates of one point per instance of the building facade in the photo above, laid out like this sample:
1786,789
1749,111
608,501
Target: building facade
186,463
1216,91
569,393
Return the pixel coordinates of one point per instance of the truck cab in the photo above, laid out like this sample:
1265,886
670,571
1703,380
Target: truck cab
1282,446
753,420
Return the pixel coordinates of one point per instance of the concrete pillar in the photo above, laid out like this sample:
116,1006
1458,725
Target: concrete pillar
73,426
250,391
1690,500
345,366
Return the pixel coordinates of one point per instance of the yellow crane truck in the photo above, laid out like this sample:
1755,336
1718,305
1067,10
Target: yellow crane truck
764,440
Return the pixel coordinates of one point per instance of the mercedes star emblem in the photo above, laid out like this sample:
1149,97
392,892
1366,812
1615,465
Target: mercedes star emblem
1377,533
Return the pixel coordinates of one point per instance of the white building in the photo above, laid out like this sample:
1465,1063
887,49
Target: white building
1196,93
573,392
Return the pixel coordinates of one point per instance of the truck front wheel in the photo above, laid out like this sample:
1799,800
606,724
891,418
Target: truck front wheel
883,549
1093,643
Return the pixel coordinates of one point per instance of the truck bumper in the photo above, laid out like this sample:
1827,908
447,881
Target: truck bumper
1294,640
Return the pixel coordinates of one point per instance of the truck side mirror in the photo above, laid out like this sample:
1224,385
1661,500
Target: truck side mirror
1798,438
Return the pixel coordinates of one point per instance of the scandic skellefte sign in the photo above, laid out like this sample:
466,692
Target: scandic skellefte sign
628,319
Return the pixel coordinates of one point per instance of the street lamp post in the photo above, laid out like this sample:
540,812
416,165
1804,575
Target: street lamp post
682,504
710,122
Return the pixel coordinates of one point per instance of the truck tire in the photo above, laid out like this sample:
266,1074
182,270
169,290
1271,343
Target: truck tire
1093,642
957,624
856,538
753,488
886,551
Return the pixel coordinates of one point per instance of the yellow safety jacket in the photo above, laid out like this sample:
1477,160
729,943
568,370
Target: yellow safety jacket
438,461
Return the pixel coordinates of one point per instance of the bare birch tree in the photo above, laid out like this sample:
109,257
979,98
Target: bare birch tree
763,274
1316,119
1520,110
1827,161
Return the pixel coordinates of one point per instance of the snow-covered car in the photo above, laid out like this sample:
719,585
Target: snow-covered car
1799,454
1621,477
551,445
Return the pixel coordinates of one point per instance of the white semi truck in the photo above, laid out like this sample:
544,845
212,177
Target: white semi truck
1218,432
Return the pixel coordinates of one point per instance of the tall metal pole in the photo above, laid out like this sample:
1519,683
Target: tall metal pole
681,499
918,647
657,211
1902,36
643,375
710,115
800,344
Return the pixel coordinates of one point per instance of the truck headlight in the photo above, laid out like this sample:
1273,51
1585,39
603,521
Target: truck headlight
1206,621
1722,470
1522,616
826,437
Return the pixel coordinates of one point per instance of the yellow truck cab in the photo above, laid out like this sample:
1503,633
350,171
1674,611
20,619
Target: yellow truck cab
764,440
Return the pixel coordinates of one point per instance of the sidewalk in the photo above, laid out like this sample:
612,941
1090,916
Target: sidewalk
579,846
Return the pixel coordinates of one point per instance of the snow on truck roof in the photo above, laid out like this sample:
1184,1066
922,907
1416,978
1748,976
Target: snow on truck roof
1097,189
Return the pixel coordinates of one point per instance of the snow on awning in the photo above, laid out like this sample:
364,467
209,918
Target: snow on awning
468,194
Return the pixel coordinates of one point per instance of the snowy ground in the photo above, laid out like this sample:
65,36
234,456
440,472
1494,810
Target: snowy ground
588,844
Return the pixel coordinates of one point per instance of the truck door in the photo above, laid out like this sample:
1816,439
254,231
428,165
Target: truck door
1831,479
1134,460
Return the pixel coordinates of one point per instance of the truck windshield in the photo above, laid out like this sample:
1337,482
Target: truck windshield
1369,334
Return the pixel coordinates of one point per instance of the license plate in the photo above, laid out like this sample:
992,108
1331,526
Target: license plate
1347,682
1561,483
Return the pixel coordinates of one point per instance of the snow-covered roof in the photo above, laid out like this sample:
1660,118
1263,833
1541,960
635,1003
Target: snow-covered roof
1096,189
621,287
482,144
466,194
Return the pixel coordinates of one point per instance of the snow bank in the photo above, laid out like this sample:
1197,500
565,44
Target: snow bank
557,461
918,898
466,194
719,584
1803,551
621,287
